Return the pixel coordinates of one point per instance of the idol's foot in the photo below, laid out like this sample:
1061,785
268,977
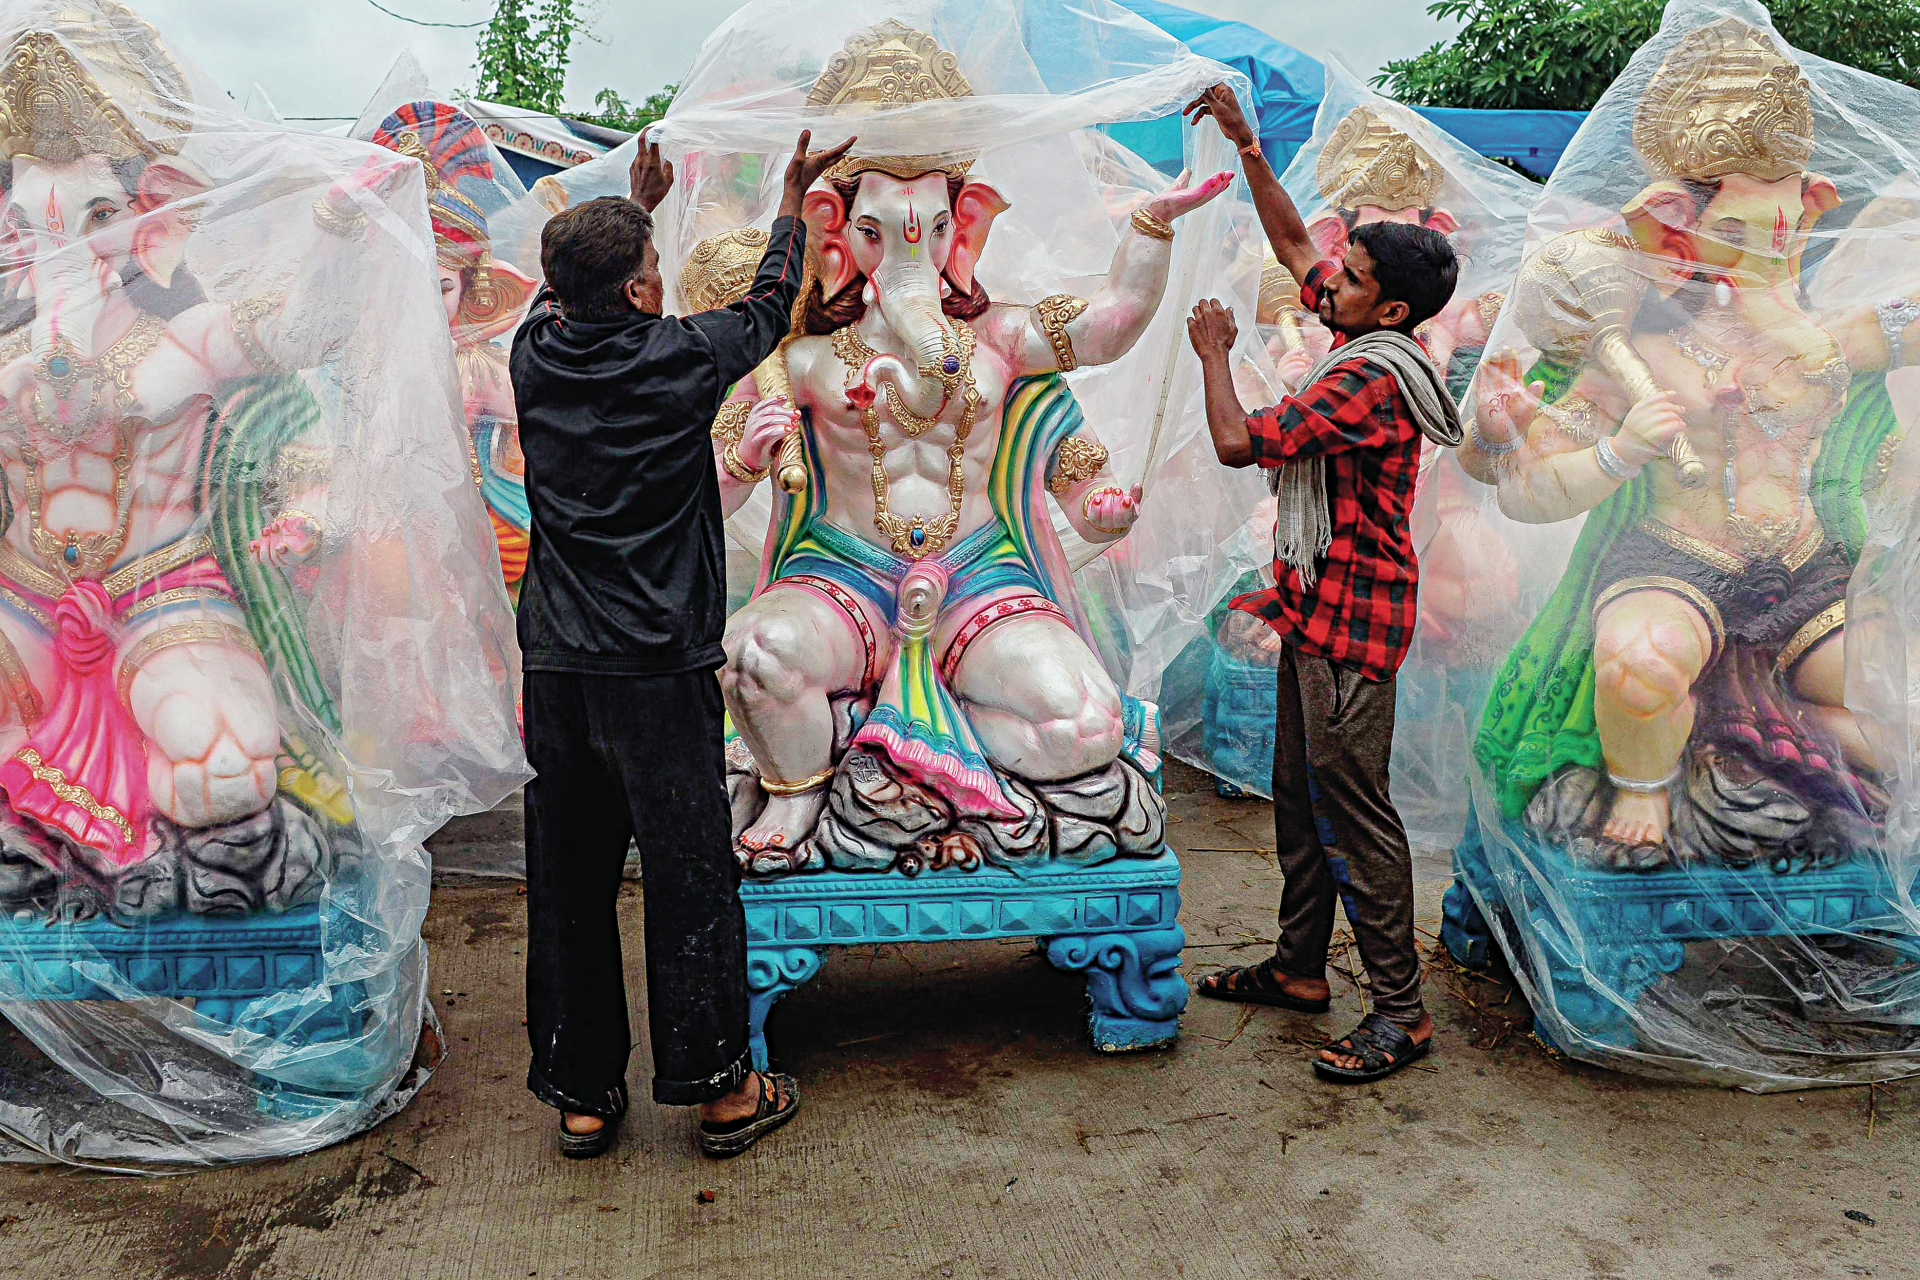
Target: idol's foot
1637,818
771,846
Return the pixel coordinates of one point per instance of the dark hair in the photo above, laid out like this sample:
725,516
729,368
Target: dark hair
1415,265
824,314
590,252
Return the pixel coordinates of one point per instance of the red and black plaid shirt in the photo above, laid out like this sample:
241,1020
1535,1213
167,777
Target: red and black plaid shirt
1360,613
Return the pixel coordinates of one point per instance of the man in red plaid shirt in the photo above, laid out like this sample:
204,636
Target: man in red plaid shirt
1343,599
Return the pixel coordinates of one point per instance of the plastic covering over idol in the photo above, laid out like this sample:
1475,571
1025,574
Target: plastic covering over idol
252,648
1692,777
961,702
1371,159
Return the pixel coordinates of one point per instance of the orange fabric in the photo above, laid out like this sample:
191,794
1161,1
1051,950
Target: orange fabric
513,548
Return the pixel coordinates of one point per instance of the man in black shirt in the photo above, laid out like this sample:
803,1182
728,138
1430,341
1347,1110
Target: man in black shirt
620,622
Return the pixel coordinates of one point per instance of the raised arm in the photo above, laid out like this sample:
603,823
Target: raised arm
1285,229
1063,332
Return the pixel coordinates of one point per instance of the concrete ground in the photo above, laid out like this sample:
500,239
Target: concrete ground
956,1125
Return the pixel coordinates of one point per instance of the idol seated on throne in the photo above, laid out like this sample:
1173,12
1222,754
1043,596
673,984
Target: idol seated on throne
912,682
1681,697
158,484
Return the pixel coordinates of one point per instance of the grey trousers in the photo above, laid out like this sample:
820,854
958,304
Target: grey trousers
1334,733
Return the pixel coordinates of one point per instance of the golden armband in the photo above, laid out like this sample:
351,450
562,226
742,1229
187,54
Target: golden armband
1055,314
1077,458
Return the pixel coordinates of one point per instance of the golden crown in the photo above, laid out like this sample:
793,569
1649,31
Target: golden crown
1725,100
1371,161
890,65
123,98
721,267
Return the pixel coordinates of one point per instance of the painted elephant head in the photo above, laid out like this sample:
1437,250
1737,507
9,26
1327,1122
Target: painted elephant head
75,231
1331,231
907,246
1739,229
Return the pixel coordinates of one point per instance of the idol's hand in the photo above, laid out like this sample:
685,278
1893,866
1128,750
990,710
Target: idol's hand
649,178
1181,198
1293,368
1111,509
1649,430
1504,402
766,427
289,540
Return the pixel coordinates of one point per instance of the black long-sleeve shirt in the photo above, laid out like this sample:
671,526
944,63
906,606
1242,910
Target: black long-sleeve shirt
626,574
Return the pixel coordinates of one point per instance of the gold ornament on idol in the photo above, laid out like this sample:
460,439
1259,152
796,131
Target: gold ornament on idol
1370,161
890,65
917,537
1725,100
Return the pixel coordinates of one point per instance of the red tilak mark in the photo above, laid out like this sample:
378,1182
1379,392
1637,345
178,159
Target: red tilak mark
55,223
1779,231
913,225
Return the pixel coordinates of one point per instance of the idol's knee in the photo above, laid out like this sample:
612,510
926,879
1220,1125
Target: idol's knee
1647,667
769,661
1075,722
212,749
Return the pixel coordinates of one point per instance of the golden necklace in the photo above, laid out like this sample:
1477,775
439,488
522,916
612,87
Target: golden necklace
918,537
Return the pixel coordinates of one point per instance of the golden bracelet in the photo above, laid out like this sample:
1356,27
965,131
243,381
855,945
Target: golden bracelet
774,787
348,226
730,424
1086,509
1148,225
1055,314
738,469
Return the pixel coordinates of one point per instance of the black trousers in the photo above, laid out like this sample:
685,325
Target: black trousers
1336,722
635,757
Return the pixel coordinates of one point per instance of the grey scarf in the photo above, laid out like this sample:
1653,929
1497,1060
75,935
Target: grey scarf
1304,529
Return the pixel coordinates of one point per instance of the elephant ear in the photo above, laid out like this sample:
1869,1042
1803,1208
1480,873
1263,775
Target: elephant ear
160,238
1818,195
1443,221
826,218
1329,235
974,209
1664,220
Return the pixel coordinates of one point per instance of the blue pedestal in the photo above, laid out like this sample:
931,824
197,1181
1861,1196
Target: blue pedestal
1607,936
1117,923
262,973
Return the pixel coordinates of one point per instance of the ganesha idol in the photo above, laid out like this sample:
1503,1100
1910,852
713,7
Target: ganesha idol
483,297
1681,697
913,683
156,487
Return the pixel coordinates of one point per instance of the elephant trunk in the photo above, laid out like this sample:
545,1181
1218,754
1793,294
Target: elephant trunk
69,289
909,301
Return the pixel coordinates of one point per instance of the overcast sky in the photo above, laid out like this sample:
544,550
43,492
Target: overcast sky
326,57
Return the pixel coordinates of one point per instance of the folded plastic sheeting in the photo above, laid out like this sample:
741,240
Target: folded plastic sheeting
1371,160
254,647
1691,758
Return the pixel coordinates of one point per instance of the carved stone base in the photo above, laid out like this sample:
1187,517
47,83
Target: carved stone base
1117,923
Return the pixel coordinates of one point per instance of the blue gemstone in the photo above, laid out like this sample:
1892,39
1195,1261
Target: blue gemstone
917,537
59,366
951,364
73,554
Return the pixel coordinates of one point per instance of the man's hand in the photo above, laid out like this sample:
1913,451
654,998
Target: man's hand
1220,103
805,168
1212,330
649,178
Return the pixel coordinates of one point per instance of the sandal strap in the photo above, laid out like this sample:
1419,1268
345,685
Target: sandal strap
1376,1040
1262,977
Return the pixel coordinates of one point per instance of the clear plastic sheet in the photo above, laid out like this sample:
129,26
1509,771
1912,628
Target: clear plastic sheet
1372,159
1045,76
1692,776
246,679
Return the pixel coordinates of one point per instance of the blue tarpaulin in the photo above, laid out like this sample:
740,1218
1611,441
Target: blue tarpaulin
1287,87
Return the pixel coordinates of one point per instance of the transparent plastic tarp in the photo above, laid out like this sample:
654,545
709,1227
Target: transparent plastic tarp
253,642
1692,769
1371,159
1044,77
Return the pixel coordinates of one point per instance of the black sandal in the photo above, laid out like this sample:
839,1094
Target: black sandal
585,1146
1382,1046
1256,984
724,1139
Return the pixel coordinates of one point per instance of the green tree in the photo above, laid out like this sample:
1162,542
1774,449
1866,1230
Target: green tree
1562,54
523,52
615,112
